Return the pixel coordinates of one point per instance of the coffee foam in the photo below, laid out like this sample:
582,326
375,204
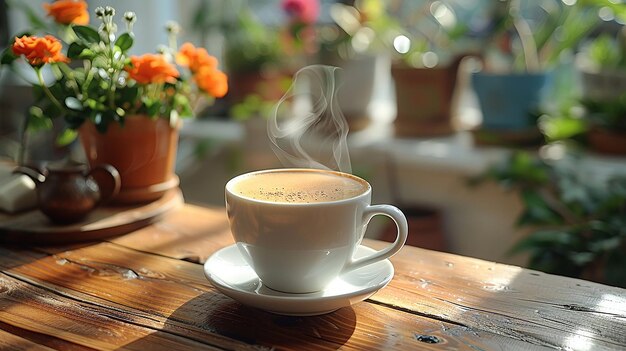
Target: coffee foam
299,186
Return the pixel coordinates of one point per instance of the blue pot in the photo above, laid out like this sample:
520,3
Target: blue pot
508,101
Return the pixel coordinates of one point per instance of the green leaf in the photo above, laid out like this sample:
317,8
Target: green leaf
153,109
543,239
93,104
74,50
562,127
127,97
86,54
537,210
101,61
581,258
37,121
66,137
240,112
182,105
35,112
7,57
526,167
87,34
52,111
56,71
609,244
458,31
79,75
605,52
73,103
125,41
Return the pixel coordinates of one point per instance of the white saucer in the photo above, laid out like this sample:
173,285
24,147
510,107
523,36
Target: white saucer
229,273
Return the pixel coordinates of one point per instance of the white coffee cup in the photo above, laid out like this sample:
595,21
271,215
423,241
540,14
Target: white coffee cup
300,247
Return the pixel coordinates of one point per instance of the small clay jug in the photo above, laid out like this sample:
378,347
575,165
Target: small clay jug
67,192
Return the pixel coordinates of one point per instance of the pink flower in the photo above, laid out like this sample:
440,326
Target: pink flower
305,11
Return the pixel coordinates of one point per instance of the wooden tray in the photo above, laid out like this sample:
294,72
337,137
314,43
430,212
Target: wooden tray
35,228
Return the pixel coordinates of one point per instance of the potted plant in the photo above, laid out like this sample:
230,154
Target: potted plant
356,41
260,56
125,108
602,65
519,61
579,223
606,125
426,68
251,52
596,115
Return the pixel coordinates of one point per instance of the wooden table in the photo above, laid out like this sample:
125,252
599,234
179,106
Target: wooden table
146,291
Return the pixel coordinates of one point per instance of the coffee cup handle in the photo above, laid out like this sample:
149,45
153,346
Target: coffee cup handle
403,229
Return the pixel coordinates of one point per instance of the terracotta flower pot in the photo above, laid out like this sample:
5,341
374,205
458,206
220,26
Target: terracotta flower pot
425,99
607,141
604,86
143,151
268,85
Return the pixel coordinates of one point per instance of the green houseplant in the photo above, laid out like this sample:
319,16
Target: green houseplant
603,73
252,56
427,58
519,62
260,56
579,225
595,116
357,41
125,108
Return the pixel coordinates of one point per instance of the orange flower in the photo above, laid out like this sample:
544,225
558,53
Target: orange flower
68,11
195,58
204,67
152,68
39,51
213,81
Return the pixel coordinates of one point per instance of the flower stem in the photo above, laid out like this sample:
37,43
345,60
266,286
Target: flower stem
112,93
47,91
88,79
69,74
112,77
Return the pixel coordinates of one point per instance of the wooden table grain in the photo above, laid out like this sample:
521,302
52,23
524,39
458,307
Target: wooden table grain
146,291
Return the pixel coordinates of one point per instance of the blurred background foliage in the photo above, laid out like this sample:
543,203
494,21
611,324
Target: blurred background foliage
578,225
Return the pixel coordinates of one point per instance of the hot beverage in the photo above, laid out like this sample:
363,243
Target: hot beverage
300,186
299,228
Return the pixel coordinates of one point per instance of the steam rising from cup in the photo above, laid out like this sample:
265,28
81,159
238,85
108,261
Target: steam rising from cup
307,128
